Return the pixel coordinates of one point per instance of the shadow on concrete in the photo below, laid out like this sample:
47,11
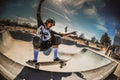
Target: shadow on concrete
2,78
68,42
21,35
111,77
80,45
94,48
34,74
0,36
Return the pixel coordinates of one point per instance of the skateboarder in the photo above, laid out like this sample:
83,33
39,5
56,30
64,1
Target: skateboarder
45,37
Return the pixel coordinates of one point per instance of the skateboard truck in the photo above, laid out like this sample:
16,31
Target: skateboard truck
36,65
62,63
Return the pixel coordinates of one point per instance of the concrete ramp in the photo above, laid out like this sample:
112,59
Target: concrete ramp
16,52
9,68
6,42
13,70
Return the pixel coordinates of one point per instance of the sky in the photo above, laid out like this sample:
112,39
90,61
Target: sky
91,17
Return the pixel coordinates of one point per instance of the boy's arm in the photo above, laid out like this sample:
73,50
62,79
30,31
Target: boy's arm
39,20
63,34
66,34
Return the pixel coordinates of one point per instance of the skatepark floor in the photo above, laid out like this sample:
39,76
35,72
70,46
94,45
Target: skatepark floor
21,51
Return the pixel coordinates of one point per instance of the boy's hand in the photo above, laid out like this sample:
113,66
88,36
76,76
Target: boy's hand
74,32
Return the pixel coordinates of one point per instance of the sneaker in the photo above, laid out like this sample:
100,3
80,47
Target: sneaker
34,61
57,59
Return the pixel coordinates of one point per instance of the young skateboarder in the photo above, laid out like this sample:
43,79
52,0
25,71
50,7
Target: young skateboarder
45,37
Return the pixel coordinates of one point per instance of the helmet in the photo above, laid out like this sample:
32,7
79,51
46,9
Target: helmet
50,20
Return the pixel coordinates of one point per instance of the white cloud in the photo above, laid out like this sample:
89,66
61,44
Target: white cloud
76,3
59,27
69,12
62,6
33,23
33,19
34,5
53,11
30,20
100,27
68,8
91,12
22,19
89,35
66,17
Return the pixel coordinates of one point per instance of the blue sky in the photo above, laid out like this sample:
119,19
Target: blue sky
90,17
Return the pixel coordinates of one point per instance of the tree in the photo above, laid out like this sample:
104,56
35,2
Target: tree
97,42
105,40
81,36
93,39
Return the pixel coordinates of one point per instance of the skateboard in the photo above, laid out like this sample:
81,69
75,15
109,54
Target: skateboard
37,64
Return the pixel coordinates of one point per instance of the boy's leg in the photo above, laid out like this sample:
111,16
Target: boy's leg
56,41
55,53
36,51
56,58
36,45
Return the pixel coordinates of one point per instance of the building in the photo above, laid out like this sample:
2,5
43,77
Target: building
117,37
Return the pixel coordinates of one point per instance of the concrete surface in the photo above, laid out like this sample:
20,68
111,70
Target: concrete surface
15,52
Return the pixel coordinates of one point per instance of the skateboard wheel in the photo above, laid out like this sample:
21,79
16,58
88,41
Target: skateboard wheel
36,66
65,64
61,66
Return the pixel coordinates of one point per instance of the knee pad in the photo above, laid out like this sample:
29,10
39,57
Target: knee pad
36,41
56,40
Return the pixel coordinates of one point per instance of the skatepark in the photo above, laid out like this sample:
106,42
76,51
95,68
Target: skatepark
84,63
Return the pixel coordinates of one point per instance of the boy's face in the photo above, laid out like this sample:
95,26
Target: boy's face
49,25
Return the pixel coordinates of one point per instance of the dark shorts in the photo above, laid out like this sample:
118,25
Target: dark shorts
56,40
43,45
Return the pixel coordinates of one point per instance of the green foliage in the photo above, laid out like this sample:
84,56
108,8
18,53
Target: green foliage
93,39
97,42
9,22
105,40
82,36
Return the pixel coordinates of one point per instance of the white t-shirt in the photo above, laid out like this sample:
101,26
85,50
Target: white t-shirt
43,33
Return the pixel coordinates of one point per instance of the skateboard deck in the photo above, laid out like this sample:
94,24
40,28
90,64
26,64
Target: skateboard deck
36,65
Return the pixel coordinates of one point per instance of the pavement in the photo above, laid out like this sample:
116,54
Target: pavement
16,49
